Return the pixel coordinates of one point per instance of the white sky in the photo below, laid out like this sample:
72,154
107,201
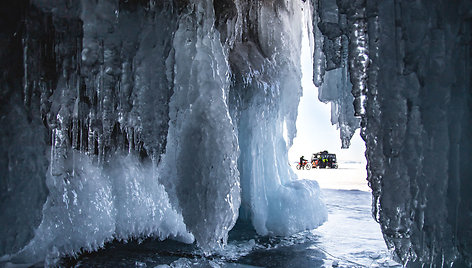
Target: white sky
314,130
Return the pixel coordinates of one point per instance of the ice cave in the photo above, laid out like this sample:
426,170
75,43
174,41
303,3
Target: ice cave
123,120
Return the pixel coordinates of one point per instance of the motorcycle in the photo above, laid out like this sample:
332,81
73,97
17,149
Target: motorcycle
304,165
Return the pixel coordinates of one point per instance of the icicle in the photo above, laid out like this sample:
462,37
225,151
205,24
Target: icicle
319,60
26,85
358,62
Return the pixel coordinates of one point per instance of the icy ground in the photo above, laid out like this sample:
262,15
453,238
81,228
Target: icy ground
350,175
350,237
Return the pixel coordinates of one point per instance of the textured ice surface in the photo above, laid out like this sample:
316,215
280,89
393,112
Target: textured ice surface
410,69
23,179
420,83
202,147
151,119
89,205
175,112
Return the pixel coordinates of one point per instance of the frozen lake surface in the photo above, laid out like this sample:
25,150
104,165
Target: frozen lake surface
349,176
350,237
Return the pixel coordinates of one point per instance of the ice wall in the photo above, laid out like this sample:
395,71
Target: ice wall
410,67
95,97
134,119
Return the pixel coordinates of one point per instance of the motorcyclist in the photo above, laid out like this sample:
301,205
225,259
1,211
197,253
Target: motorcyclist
302,159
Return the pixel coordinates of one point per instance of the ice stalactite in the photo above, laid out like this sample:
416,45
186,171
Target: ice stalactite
333,61
101,90
409,63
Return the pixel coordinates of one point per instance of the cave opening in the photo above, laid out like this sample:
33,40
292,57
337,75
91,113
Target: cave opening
317,131
344,189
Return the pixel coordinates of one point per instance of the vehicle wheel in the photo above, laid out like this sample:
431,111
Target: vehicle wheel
308,166
298,166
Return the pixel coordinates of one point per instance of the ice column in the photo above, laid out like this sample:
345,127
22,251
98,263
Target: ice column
202,150
264,97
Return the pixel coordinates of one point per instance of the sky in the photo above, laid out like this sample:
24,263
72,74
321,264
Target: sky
315,133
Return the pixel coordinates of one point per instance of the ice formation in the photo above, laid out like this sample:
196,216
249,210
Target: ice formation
134,119
410,69
126,120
